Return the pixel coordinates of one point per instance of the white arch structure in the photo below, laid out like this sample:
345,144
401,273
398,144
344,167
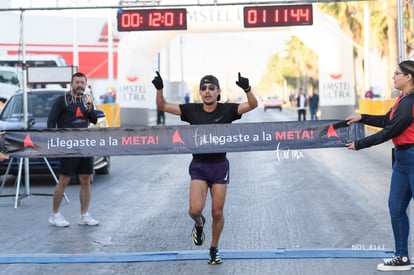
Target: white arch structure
137,50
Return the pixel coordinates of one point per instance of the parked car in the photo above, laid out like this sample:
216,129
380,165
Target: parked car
39,103
273,103
9,83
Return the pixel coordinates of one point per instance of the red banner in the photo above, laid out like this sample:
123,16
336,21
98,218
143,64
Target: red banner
180,139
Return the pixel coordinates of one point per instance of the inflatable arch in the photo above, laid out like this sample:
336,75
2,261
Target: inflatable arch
137,54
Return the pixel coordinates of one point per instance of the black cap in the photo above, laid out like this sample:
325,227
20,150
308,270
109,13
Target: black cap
209,79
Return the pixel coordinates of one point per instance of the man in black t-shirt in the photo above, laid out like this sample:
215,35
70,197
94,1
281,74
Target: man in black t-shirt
73,110
314,105
208,171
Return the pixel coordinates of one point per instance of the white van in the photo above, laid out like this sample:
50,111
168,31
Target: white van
33,60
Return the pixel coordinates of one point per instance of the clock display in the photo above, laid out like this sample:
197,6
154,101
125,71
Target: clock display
278,16
151,19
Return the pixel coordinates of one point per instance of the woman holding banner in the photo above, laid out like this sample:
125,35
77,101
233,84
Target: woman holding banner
398,125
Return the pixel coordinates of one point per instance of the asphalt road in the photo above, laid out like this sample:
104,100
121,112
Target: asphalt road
307,208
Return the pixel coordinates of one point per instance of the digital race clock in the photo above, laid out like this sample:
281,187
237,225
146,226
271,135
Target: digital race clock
151,19
277,16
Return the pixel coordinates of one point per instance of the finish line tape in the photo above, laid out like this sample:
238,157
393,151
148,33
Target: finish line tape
180,139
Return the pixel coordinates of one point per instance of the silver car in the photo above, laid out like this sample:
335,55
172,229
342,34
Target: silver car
39,103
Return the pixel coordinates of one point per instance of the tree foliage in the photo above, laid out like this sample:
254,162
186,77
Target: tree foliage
297,65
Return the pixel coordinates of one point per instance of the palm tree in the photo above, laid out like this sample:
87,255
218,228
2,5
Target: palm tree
390,12
350,16
298,66
383,22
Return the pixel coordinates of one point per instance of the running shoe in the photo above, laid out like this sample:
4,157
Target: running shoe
398,263
87,219
214,256
197,235
58,220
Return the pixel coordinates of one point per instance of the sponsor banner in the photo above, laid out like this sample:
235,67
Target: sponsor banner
180,139
336,89
336,80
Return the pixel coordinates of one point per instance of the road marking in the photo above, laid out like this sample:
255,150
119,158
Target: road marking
279,253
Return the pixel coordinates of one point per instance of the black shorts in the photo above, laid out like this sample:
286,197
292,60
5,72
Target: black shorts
216,171
73,166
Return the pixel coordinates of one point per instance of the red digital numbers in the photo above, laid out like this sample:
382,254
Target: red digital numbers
152,19
301,15
278,16
130,20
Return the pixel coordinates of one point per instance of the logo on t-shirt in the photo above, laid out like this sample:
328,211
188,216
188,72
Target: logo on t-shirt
78,112
218,119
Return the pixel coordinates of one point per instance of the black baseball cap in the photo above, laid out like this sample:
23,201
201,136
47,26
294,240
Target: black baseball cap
210,79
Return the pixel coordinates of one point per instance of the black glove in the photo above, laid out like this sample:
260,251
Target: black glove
244,83
157,81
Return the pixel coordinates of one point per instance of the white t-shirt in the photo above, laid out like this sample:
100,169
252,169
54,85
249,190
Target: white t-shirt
302,101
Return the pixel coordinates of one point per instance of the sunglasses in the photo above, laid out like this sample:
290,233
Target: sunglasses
211,87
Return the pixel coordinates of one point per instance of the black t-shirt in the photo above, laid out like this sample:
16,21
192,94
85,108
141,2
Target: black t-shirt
70,112
195,114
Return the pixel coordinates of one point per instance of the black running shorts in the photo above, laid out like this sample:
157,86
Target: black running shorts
72,166
216,171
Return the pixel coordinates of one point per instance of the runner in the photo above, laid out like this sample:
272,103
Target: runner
208,171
